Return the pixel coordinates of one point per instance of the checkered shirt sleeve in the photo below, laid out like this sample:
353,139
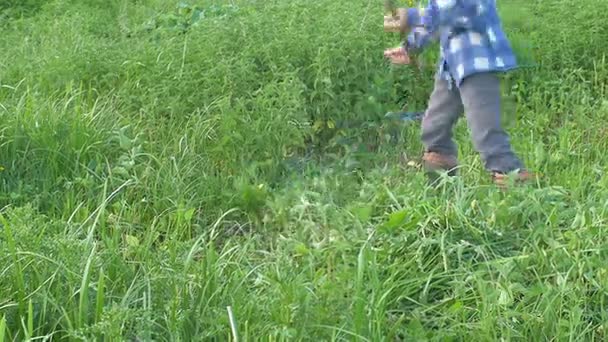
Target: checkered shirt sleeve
470,34
456,15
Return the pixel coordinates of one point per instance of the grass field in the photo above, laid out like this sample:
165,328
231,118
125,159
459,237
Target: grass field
162,163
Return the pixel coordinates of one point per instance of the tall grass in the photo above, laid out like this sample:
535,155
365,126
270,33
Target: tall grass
206,170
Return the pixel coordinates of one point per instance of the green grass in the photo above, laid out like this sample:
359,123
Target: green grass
161,164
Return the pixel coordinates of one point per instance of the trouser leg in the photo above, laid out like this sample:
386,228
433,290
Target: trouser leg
481,97
444,109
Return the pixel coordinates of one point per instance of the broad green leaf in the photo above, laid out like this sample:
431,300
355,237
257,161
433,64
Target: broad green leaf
363,213
395,220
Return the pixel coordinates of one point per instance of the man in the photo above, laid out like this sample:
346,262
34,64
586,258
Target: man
473,49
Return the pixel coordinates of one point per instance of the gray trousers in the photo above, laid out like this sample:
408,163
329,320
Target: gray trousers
479,97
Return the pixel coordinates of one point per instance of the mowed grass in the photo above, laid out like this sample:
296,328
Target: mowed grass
178,173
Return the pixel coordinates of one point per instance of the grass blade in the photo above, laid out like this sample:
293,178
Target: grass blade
99,302
30,319
2,328
233,328
83,304
18,277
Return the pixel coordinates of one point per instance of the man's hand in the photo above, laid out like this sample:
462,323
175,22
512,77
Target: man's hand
397,23
391,24
397,56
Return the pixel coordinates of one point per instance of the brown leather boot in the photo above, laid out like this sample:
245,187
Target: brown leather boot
434,162
502,179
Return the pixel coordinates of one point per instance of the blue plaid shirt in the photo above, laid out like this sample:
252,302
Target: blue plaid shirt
470,34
